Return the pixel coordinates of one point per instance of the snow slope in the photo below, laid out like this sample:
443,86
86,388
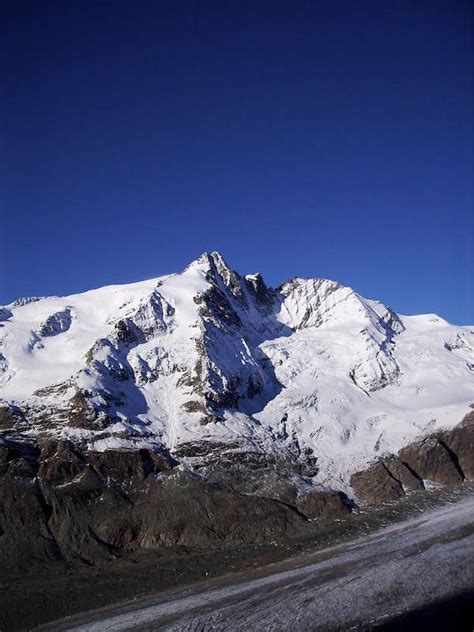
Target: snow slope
209,356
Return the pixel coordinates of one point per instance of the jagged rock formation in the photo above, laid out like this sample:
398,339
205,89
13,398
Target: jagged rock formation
289,399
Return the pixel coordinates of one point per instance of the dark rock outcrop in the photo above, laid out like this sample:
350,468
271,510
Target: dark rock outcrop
376,484
60,502
460,440
432,460
56,323
324,504
24,513
445,457
247,470
402,473
10,416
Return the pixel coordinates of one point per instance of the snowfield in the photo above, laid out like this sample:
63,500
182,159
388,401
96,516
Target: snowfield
211,356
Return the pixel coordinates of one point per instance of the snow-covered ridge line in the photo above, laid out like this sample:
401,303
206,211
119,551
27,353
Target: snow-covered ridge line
310,372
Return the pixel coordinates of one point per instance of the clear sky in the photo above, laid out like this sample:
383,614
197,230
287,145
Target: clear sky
321,138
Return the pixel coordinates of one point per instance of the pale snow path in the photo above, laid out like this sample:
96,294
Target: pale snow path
401,568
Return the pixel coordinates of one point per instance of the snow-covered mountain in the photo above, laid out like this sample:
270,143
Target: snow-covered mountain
207,365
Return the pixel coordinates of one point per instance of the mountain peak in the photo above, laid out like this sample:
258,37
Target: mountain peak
209,261
216,270
209,353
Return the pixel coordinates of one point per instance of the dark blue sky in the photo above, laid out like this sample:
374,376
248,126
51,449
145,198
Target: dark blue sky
314,138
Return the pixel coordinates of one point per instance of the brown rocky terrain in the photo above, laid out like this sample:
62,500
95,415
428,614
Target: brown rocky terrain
58,502
61,502
444,457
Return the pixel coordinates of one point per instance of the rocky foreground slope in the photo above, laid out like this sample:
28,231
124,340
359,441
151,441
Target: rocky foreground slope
205,406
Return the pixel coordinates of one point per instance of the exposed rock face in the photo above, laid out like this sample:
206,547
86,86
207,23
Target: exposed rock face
57,501
376,484
445,457
24,512
7,418
324,504
277,474
56,324
460,440
399,470
433,460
